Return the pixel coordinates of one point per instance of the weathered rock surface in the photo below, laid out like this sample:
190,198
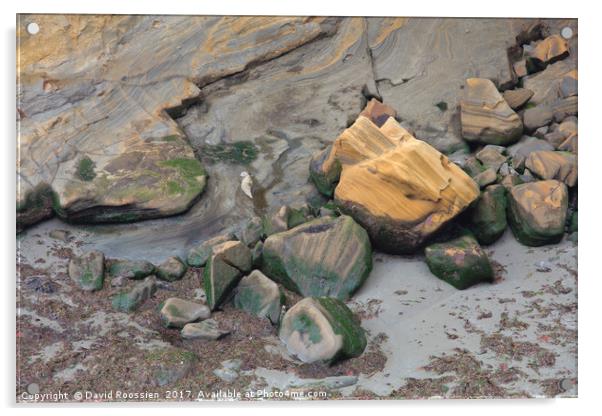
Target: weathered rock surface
488,216
130,269
378,112
485,115
487,177
224,269
547,164
518,97
168,365
198,256
207,330
259,296
130,301
87,270
94,127
547,84
521,150
323,257
322,329
176,312
492,156
171,269
537,212
547,51
460,262
400,189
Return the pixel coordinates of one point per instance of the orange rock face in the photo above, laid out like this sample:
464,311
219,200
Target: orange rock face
399,188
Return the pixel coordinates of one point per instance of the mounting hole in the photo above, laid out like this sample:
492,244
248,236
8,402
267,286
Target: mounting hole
566,32
33,28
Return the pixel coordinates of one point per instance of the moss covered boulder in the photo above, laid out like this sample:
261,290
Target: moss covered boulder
176,312
460,262
198,255
130,269
488,216
88,270
229,261
322,329
323,257
171,269
537,212
130,301
259,296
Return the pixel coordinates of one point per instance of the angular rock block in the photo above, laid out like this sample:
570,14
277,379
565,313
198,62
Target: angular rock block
322,329
130,301
131,269
259,296
460,262
537,212
485,115
177,312
207,330
378,112
224,269
171,269
547,164
198,256
521,150
400,189
518,97
488,216
323,257
88,270
547,51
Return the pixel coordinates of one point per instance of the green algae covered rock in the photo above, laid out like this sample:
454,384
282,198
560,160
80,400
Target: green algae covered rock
324,171
322,329
537,212
198,256
229,261
323,257
259,296
460,262
131,269
88,270
488,216
130,301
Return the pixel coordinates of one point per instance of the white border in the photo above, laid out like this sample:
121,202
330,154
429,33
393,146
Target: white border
590,288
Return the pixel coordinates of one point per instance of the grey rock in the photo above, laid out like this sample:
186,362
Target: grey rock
130,301
61,235
87,270
521,150
252,232
260,296
487,177
175,312
207,330
536,117
198,256
130,269
226,374
171,269
492,156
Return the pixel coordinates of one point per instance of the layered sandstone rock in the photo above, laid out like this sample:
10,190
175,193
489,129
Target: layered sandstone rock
547,51
547,164
324,257
485,115
95,98
518,97
537,212
400,189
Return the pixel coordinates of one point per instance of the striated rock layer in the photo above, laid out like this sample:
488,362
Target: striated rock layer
400,189
96,139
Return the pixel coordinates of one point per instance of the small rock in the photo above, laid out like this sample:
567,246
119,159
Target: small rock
224,269
325,170
61,235
520,68
118,281
485,115
322,329
547,164
487,177
176,312
200,295
251,232
259,296
232,364
226,374
460,262
520,151
198,256
88,270
492,156
131,269
488,216
518,97
537,212
378,112
167,366
130,301
246,184
207,330
538,116
551,49
171,269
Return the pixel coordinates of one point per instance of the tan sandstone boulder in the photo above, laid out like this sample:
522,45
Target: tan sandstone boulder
400,189
548,164
486,117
